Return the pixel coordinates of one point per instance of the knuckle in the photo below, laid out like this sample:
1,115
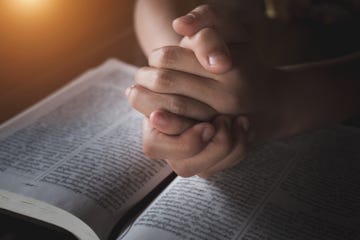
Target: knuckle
162,79
223,143
183,170
177,105
133,96
150,147
205,9
148,150
204,35
141,74
164,56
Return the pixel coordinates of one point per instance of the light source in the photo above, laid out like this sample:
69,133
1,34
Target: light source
30,3
27,5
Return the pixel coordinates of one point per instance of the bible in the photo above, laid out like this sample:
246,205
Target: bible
74,162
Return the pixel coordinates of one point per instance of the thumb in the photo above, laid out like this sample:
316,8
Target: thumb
200,36
201,17
210,50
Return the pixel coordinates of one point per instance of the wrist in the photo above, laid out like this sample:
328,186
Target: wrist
290,101
279,107
297,101
317,95
270,120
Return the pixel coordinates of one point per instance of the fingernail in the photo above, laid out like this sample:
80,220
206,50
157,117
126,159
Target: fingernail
217,58
243,122
189,18
207,134
159,118
127,91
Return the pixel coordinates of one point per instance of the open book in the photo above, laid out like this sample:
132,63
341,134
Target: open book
75,161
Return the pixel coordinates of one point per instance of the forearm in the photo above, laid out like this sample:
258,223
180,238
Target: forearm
322,94
153,21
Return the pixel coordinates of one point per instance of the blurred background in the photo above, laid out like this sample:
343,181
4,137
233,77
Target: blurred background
46,43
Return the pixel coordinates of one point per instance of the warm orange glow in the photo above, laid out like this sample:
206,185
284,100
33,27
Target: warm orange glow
28,5
31,3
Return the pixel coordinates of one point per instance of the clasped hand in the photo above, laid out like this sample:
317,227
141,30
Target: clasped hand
207,100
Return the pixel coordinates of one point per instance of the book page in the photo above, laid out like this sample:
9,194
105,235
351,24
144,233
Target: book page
42,214
80,150
307,187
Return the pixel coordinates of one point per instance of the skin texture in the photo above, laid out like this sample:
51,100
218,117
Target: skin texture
202,115
153,21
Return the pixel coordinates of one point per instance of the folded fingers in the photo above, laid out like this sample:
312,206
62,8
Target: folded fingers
216,149
210,49
179,59
202,36
147,101
168,81
223,151
157,145
169,123
235,156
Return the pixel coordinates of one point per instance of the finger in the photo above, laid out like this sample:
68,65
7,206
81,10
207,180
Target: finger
205,16
210,49
236,155
201,17
147,101
177,58
169,123
157,145
218,148
205,90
